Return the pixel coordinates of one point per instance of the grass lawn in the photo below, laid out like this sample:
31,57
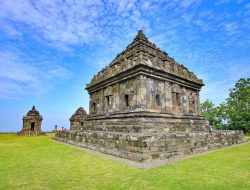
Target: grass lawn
39,163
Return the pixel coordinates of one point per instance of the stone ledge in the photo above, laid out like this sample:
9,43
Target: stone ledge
150,147
150,164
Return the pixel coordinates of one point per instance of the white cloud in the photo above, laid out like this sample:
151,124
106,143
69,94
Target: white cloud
73,22
11,31
231,27
19,78
12,68
62,24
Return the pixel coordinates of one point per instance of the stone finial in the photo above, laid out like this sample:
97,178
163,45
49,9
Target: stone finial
140,32
33,111
140,35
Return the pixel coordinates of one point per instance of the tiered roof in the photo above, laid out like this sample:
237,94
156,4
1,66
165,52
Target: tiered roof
33,112
142,51
80,112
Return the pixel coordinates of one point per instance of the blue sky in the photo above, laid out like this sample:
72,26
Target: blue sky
50,49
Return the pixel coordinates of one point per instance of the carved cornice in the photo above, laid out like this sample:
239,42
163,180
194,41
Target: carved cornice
142,69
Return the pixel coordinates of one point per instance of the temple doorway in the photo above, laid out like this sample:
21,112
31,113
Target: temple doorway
32,126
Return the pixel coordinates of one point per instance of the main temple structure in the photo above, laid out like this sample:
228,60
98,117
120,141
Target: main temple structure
145,107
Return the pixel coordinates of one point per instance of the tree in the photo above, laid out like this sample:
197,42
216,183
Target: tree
238,106
207,110
214,114
234,113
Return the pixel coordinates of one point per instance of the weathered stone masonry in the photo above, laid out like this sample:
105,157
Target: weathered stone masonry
32,123
77,120
144,106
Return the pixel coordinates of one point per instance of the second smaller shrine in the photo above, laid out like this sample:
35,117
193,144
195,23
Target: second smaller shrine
32,123
77,119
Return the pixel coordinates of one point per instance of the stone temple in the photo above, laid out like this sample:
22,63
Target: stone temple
32,123
77,120
144,106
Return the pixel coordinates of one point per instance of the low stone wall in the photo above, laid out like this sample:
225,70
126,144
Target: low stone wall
30,133
150,147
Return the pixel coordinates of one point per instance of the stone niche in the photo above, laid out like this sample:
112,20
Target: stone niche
32,123
144,106
77,120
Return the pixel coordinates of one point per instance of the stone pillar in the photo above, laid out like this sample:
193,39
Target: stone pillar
185,101
198,103
141,94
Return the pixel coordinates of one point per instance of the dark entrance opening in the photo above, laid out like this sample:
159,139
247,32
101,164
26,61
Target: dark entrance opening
94,106
107,100
158,100
126,100
32,126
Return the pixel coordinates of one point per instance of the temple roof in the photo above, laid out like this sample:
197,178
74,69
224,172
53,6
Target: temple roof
79,113
143,52
139,39
33,112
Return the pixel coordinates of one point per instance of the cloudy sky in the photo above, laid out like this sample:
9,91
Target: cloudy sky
50,49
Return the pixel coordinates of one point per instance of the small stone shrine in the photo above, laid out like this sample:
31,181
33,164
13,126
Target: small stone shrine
145,107
32,123
77,119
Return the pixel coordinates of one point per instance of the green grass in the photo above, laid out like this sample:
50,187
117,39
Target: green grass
247,136
39,163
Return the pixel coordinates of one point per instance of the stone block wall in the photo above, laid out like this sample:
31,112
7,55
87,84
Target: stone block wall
147,94
139,140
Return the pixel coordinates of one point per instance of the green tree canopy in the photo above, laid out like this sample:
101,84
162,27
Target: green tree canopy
235,112
238,106
214,114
